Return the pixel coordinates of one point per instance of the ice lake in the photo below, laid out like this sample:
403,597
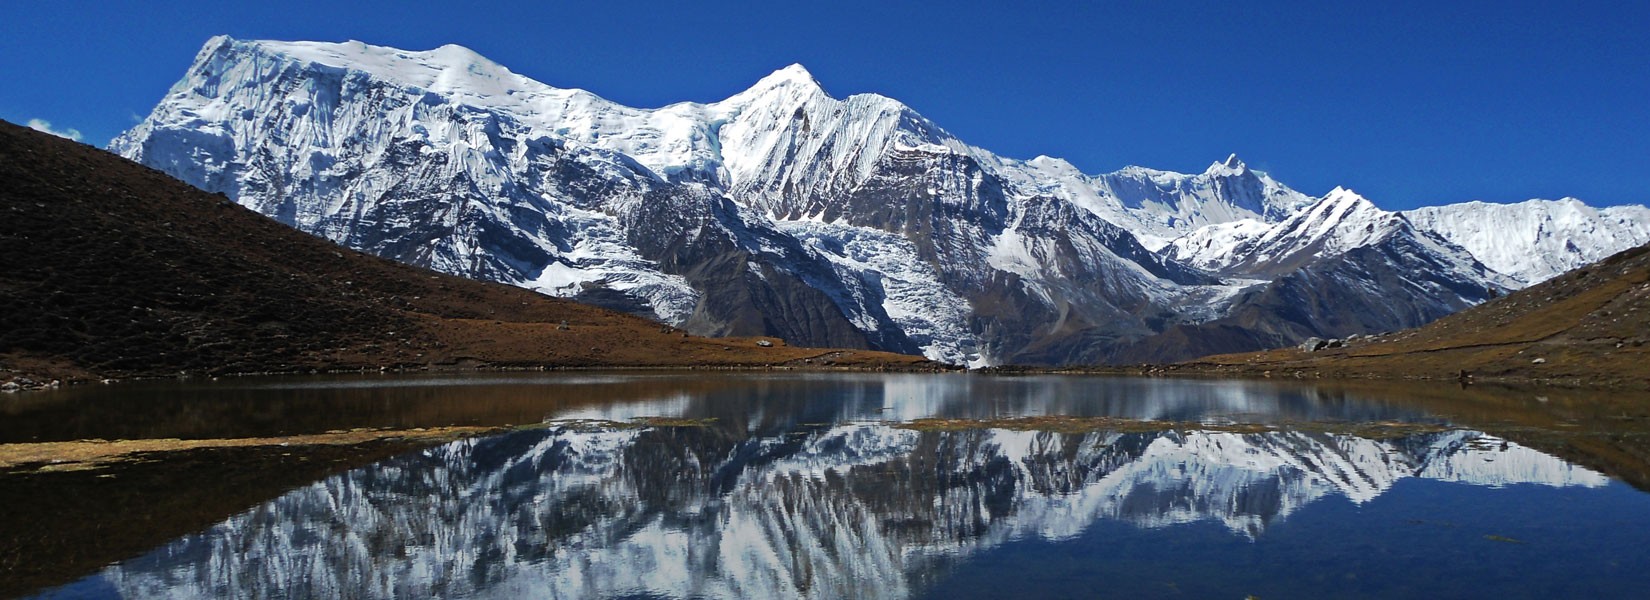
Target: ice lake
697,485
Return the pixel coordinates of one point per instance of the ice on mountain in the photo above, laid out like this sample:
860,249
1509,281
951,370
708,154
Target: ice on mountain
1536,240
492,174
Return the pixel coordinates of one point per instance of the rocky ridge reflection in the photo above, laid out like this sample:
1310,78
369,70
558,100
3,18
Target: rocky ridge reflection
846,510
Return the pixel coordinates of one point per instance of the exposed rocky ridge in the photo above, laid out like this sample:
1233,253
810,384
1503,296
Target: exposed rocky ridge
1338,224
1341,267
109,268
1590,326
779,211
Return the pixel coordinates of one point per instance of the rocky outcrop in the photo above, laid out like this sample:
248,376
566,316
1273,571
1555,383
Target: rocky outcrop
784,211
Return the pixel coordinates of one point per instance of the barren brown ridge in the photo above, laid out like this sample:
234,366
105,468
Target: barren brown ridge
112,269
1588,327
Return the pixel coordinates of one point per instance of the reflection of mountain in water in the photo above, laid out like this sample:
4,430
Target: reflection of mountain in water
856,510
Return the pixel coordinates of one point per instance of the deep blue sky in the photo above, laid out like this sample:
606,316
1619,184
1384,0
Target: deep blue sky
1409,103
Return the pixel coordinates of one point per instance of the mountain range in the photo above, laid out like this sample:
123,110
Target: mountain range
855,222
111,269
1588,326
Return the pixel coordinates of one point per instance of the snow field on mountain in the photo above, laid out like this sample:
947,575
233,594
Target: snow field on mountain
1537,240
446,159
930,314
600,254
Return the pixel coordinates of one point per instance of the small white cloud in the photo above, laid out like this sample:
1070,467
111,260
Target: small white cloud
46,126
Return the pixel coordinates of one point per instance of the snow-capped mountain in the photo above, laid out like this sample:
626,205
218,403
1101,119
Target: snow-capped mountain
850,510
781,210
1536,240
1340,222
1158,206
1336,267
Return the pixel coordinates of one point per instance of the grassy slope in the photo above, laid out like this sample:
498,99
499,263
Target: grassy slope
1587,327
109,268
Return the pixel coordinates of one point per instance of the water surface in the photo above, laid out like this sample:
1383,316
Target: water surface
816,486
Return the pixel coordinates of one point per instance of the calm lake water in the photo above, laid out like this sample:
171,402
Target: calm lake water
809,486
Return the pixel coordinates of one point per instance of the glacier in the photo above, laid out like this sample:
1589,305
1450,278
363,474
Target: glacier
785,211
1537,240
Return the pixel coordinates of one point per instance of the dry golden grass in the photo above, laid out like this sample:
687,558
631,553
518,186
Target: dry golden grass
90,454
1590,327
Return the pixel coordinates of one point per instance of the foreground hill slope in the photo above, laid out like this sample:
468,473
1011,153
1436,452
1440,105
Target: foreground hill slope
1589,326
109,268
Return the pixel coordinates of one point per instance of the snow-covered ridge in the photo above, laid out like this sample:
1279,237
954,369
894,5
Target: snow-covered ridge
744,138
446,159
1537,240
1340,222
1158,206
781,210
1527,242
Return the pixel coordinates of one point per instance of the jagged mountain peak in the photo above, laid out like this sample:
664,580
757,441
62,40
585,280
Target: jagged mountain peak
1341,203
1344,194
789,85
848,217
1340,221
1056,165
1232,165
793,74
1339,207
1342,215
1229,167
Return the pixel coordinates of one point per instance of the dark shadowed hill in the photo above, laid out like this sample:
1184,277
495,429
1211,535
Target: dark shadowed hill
1590,326
109,268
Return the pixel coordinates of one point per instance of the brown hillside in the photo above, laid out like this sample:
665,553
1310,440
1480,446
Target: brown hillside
1587,327
111,269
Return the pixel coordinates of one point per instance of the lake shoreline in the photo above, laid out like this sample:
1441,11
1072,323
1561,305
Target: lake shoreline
1311,371
171,459
828,361
1275,365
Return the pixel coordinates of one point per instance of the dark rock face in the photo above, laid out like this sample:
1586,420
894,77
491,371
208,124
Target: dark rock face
779,212
110,268
1325,299
1329,298
692,232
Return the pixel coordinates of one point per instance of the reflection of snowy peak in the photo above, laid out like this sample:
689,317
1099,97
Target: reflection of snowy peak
781,210
846,511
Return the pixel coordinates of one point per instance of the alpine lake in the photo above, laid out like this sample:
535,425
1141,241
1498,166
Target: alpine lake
820,485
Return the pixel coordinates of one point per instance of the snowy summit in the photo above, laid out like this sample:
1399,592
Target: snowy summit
785,211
